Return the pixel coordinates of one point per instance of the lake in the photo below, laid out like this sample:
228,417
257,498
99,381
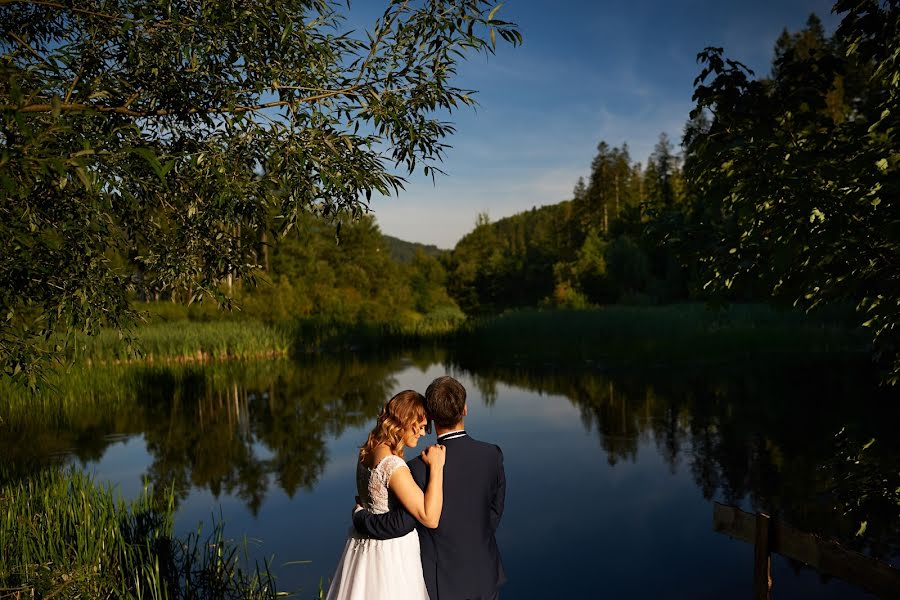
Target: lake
612,474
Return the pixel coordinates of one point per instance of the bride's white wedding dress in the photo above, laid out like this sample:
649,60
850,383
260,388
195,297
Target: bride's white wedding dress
379,569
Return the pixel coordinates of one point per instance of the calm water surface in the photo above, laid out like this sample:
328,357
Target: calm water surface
611,476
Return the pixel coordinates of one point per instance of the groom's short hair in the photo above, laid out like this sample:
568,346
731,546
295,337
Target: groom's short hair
445,401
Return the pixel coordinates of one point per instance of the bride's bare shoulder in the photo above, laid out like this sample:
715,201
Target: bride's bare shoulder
376,456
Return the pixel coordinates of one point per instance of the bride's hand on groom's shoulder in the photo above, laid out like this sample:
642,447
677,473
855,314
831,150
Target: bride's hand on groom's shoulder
435,455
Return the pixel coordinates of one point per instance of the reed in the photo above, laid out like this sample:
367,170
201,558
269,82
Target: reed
187,341
64,536
183,340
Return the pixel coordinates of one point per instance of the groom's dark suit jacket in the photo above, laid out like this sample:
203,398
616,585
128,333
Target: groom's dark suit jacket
460,559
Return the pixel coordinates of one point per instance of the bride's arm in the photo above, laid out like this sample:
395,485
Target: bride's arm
395,523
425,507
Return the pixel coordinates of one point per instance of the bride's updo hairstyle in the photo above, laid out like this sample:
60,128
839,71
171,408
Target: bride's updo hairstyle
400,414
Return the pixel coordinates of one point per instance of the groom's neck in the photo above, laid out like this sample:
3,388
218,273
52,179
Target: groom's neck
442,430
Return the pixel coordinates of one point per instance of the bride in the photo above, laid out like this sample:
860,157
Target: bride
391,569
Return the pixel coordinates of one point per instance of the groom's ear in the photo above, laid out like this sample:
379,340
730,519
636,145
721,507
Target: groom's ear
465,409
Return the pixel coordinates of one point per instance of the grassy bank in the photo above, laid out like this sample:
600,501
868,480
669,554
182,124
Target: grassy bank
175,333
607,333
64,536
648,335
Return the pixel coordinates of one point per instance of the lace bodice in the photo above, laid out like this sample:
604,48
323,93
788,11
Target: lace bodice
372,484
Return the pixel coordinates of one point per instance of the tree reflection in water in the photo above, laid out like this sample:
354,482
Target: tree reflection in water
756,434
230,428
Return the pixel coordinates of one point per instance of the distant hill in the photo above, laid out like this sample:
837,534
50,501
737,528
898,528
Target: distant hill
403,251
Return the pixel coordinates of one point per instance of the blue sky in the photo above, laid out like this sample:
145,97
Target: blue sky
589,70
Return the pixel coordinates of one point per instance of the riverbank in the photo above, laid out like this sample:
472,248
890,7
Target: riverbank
612,333
672,331
178,334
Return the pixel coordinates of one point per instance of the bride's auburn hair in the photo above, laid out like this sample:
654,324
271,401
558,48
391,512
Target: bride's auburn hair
400,414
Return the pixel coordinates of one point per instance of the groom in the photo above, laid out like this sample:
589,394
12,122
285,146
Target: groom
460,559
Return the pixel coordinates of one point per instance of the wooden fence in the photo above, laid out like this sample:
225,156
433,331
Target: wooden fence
826,556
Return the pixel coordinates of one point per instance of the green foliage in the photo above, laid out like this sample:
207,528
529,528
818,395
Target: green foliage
404,252
794,178
628,266
159,149
611,188
317,294
428,284
67,537
509,263
352,284
353,281
607,244
861,486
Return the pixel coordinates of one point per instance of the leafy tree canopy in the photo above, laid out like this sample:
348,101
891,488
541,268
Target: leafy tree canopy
796,177
154,143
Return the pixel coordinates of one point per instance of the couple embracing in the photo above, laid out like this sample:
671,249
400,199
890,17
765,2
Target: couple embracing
424,530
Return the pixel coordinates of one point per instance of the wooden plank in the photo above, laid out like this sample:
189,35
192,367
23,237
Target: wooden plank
826,556
762,560
734,522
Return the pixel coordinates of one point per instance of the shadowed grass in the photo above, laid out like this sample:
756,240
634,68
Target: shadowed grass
648,335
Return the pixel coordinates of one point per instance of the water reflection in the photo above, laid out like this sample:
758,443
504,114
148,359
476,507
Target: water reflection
231,428
760,435
757,435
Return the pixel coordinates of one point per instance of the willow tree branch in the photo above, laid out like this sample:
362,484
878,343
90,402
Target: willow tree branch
82,11
64,7
124,110
72,87
28,47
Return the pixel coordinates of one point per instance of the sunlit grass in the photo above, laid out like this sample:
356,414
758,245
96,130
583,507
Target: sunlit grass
64,536
188,341
183,340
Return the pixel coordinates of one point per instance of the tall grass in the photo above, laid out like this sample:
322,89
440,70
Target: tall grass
64,536
188,341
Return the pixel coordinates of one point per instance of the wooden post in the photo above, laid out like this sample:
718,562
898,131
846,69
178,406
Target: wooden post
762,560
824,555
